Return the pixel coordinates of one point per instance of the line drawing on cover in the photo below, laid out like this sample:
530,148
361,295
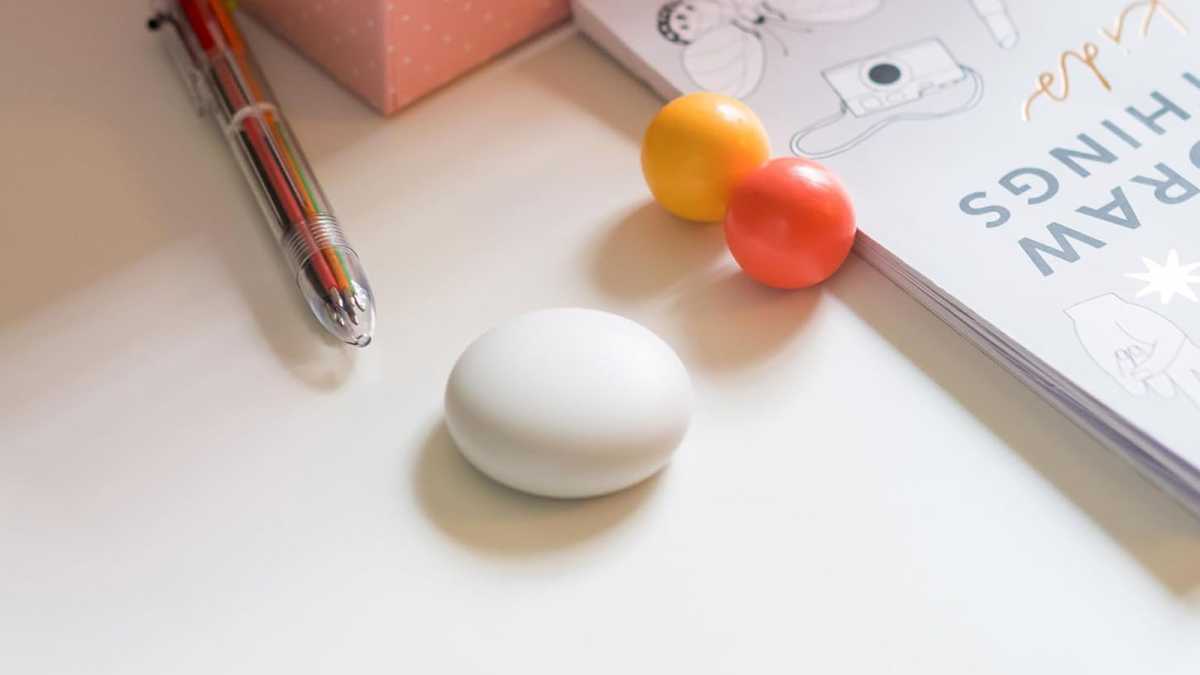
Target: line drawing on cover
996,17
917,82
1142,350
723,39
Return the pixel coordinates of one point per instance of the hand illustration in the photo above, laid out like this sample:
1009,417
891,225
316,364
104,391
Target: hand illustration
1142,350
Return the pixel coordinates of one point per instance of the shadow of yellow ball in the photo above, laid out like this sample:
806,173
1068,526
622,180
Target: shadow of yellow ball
697,148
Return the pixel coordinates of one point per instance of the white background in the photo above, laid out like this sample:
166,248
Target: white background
192,481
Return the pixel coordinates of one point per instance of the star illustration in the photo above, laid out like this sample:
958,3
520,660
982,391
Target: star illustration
1168,280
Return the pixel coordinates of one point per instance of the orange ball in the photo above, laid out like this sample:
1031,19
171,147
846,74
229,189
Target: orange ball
790,224
697,148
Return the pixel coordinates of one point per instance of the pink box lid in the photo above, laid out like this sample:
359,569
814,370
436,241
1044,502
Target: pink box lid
392,52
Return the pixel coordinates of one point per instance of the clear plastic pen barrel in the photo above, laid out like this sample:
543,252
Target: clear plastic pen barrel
228,81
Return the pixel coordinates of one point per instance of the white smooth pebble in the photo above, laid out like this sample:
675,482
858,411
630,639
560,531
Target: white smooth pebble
568,403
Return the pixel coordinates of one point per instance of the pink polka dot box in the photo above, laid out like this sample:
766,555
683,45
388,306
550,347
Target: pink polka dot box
392,52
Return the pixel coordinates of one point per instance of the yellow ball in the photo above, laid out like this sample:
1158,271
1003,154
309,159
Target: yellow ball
697,149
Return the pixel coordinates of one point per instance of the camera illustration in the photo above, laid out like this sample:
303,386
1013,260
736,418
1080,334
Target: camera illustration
912,83
893,78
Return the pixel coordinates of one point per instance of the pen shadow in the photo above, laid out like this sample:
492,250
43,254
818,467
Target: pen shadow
147,158
217,206
495,520
219,210
284,320
1149,525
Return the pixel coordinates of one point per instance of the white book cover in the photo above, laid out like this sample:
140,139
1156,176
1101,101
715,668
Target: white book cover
1036,162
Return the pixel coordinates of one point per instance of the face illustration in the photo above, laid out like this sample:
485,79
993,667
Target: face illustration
685,20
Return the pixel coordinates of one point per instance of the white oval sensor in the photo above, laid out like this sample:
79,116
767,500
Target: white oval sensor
568,403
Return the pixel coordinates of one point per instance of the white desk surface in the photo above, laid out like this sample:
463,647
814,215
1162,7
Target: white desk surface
191,481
